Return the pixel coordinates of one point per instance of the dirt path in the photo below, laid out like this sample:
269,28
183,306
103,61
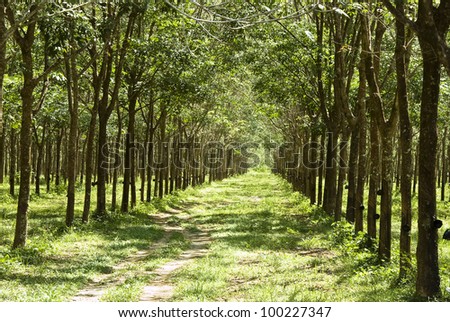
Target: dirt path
160,289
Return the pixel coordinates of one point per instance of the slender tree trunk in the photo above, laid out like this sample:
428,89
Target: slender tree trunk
89,165
12,161
150,163
362,150
387,167
102,166
416,169
329,201
162,151
58,158
343,163
73,92
144,164
117,162
40,156
321,165
2,153
352,172
444,164
405,144
126,175
48,163
129,172
83,162
312,168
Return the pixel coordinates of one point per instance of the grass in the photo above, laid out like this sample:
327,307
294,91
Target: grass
271,245
268,244
57,262
138,275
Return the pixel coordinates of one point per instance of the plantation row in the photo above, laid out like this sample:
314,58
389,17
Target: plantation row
353,93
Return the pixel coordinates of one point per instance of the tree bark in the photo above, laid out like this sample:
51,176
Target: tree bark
48,163
343,163
58,158
312,168
12,161
117,162
89,160
26,93
108,100
428,280
129,172
353,168
329,201
444,164
73,93
2,74
362,150
387,166
405,144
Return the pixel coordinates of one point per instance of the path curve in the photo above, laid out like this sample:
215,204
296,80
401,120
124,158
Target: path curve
160,289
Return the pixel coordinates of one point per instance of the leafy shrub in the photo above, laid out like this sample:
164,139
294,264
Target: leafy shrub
344,237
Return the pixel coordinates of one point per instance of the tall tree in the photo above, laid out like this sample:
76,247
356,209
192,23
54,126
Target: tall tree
401,60
386,127
72,75
113,58
3,40
431,27
25,38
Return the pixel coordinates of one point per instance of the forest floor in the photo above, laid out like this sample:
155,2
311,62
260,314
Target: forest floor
247,238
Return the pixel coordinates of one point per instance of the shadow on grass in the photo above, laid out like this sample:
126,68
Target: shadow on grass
265,230
25,279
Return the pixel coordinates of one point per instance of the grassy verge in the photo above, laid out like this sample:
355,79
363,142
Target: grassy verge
271,245
57,262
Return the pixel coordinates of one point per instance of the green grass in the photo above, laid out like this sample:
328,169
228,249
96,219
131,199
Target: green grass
57,262
269,244
138,274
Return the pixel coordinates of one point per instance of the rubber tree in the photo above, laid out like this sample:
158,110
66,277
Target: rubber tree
431,27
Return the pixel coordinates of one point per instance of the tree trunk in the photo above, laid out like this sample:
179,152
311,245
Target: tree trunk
40,156
312,160
362,150
405,144
2,149
343,162
444,164
102,166
2,74
416,169
352,171
89,165
129,172
73,92
163,147
48,163
329,201
58,158
12,161
387,167
116,165
321,165
374,180
29,83
428,280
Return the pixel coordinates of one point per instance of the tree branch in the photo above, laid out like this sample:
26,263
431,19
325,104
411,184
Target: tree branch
400,16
